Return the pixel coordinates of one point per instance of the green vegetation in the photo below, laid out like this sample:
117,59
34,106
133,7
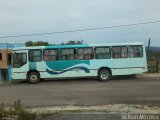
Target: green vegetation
17,112
38,43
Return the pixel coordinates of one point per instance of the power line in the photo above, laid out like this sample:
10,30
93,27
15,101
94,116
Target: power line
81,30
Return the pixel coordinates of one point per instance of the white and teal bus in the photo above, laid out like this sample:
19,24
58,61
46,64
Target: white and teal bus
87,60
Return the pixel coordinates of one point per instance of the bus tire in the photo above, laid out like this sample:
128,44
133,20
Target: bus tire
104,75
34,77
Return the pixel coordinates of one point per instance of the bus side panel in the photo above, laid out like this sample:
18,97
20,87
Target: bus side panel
18,75
90,69
71,68
120,66
73,73
137,65
80,68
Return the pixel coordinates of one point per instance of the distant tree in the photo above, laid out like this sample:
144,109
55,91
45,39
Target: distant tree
42,43
38,43
62,43
73,42
29,43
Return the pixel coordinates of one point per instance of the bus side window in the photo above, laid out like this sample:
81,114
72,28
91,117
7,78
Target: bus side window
85,53
50,55
68,54
119,52
135,51
35,56
102,53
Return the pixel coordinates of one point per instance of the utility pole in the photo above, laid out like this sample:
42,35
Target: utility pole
147,51
149,41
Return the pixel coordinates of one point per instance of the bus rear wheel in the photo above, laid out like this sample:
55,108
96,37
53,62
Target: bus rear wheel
104,75
34,77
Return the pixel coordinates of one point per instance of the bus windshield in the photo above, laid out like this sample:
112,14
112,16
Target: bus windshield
19,59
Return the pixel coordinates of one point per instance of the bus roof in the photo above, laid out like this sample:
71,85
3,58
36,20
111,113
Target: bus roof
73,46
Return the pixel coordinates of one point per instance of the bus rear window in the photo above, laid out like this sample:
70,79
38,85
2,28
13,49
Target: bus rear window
135,51
19,59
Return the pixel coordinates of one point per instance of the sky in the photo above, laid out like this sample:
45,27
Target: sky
20,17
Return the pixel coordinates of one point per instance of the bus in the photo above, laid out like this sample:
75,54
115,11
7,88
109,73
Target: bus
86,60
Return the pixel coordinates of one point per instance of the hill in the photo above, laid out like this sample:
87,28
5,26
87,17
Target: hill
156,49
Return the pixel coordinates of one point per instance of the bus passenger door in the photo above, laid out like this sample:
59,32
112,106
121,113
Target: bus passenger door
19,65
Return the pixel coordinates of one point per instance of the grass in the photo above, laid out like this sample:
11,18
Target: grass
17,112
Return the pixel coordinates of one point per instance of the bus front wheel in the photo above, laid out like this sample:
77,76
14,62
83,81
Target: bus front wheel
34,77
104,75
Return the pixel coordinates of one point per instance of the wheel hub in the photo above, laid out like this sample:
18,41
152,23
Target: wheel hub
33,77
104,75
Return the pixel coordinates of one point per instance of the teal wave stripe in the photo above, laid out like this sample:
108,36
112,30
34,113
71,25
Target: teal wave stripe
79,67
62,65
